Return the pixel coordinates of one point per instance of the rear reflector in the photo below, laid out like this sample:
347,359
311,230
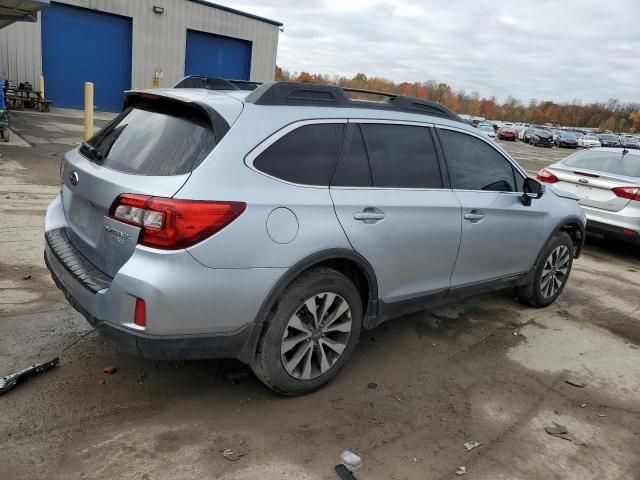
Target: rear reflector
171,224
546,176
632,193
628,231
140,315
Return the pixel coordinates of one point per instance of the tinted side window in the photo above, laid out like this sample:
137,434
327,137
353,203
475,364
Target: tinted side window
353,168
402,156
306,155
475,165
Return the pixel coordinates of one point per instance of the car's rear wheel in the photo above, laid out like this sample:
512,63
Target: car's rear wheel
551,273
311,334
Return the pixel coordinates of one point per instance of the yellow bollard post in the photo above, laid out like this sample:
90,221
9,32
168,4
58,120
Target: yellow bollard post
41,87
88,110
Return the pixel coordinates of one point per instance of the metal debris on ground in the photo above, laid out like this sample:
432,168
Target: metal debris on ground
556,430
27,276
461,470
110,370
471,445
575,381
10,381
560,431
372,386
231,455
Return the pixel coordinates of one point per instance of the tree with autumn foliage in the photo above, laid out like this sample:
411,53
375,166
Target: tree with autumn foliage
611,115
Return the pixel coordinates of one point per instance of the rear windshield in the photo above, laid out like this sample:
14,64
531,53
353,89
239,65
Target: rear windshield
614,163
161,139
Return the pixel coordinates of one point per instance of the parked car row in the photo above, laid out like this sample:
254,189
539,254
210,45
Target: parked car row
539,135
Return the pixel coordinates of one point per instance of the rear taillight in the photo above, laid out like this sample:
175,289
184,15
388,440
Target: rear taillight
546,176
171,224
632,193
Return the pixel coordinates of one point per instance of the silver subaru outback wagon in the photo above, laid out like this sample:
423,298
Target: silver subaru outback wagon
275,223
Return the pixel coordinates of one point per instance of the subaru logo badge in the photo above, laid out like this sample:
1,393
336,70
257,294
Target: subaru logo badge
73,178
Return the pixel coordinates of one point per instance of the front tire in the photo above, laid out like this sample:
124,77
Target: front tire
550,275
311,334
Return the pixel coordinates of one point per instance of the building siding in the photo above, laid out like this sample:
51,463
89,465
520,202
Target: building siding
20,52
158,40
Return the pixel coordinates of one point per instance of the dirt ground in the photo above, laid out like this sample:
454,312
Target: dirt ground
487,370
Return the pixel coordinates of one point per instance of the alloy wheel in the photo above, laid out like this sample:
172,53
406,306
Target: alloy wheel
555,271
316,336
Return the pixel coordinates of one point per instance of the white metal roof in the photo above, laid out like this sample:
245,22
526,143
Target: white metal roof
20,11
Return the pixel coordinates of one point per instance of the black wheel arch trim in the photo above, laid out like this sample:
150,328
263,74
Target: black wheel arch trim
318,258
572,221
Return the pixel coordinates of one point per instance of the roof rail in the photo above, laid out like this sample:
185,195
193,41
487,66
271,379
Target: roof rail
314,95
215,83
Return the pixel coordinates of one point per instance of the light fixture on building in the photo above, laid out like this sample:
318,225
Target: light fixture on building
159,10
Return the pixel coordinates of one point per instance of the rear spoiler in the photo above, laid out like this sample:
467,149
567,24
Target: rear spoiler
216,83
218,123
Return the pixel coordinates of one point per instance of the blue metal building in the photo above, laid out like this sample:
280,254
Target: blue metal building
124,44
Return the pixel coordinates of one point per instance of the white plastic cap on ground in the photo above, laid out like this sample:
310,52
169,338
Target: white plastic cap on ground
350,460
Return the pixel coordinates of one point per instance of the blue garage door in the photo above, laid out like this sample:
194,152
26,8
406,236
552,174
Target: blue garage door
217,56
80,45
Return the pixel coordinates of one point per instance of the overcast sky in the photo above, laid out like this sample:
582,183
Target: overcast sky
543,49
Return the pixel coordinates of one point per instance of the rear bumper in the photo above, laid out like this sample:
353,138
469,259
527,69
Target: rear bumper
613,231
238,344
192,311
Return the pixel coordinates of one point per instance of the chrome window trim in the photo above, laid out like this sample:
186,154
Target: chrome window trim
410,123
274,137
395,189
497,148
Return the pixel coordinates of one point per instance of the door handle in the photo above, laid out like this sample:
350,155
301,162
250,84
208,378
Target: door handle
369,215
474,216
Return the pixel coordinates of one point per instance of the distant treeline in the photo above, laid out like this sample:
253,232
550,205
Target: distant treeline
611,115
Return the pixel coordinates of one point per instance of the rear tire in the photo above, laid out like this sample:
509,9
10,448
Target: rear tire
550,275
298,354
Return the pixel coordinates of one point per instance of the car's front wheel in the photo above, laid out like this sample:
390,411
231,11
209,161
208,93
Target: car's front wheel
551,273
311,333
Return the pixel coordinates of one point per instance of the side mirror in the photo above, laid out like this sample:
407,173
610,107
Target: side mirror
531,189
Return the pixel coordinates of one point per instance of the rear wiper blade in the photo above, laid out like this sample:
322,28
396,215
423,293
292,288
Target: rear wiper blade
93,151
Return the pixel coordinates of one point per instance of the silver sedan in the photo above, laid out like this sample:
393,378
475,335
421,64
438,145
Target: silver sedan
607,181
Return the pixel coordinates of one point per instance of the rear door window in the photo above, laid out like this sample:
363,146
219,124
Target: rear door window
401,156
475,165
305,156
148,140
353,168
